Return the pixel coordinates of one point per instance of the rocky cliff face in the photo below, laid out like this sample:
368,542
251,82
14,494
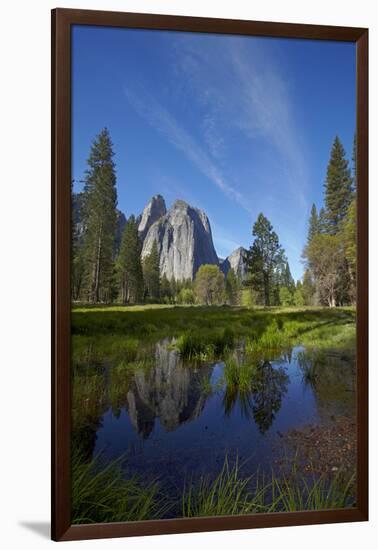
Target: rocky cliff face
237,261
152,212
184,241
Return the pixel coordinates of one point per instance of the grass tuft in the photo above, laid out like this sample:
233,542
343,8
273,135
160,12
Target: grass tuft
100,493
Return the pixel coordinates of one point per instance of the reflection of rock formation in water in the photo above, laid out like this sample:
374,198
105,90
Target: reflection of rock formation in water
168,391
269,388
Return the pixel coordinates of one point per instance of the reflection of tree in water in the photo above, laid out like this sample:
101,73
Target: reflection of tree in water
89,403
169,391
332,376
262,398
268,390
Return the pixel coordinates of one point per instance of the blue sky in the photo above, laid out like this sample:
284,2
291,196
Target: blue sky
233,125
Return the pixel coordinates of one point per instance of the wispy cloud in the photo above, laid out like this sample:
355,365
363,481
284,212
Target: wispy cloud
158,116
241,85
267,109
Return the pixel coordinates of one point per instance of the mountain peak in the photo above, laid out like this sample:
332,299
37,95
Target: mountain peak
184,241
237,261
154,210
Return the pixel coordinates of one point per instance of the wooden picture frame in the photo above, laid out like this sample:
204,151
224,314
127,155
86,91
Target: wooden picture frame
62,20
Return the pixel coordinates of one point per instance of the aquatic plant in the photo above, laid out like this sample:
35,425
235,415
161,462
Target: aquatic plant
239,375
205,345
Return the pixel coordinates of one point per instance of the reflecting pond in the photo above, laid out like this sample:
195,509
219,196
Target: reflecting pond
176,420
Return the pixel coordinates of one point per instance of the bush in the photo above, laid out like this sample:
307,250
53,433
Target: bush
186,296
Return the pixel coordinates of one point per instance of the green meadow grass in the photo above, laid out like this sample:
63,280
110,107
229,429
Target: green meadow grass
206,333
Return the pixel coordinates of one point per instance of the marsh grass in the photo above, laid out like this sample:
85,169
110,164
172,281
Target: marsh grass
101,493
205,345
231,493
297,492
325,326
227,494
239,375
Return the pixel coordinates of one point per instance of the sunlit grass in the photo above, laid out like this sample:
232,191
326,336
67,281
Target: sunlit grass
239,376
205,345
206,333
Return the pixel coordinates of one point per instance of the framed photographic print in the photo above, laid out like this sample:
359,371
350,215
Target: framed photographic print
210,275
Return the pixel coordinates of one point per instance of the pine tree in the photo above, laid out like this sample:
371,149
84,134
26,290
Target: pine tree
309,289
129,265
298,295
165,289
232,288
78,265
151,273
338,188
322,221
354,162
100,201
263,257
349,239
287,278
313,226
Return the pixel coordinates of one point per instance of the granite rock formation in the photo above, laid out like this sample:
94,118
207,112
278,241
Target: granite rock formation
152,212
237,261
184,241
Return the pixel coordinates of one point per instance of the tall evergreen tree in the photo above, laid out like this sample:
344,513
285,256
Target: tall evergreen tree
100,201
151,273
232,288
354,162
322,221
309,289
129,265
349,239
287,278
165,289
263,257
338,188
313,225
78,265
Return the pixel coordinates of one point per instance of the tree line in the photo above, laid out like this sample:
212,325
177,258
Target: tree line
330,254
106,269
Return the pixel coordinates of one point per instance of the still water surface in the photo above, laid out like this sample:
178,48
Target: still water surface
177,420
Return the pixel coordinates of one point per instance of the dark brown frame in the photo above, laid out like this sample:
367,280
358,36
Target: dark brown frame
62,19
